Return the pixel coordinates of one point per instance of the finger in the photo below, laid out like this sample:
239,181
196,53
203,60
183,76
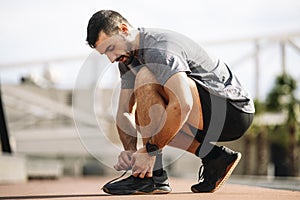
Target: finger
142,175
117,167
135,174
122,166
136,171
125,159
126,162
143,172
149,174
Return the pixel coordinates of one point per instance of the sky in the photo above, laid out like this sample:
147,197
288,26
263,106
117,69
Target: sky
40,31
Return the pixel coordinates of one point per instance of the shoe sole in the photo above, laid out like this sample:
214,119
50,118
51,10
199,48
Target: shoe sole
229,171
153,192
158,191
136,192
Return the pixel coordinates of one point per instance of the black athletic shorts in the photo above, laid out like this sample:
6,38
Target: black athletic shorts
222,121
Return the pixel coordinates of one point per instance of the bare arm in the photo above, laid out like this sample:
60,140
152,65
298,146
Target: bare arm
125,120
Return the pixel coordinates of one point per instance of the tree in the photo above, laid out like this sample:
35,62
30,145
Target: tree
282,99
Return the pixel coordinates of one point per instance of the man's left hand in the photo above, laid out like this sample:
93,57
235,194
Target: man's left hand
142,163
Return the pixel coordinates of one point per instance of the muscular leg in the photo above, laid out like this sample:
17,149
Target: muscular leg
151,102
185,139
218,162
150,110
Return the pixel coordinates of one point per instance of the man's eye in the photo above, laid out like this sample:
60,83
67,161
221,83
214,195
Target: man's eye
110,48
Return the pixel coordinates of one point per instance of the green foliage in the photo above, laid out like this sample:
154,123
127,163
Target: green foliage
281,100
278,135
260,106
282,95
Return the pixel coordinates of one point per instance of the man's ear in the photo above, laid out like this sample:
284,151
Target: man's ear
123,28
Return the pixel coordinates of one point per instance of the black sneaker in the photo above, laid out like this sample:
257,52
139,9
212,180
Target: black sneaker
135,185
215,171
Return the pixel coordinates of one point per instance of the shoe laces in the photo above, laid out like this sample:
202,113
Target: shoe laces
115,179
201,174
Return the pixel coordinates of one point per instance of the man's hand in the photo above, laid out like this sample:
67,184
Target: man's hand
142,163
124,161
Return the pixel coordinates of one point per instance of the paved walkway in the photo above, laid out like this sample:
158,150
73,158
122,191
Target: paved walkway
89,188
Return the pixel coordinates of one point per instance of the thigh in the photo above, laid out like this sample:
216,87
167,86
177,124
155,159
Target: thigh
222,121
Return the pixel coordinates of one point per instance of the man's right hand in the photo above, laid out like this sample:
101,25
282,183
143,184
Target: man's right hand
124,161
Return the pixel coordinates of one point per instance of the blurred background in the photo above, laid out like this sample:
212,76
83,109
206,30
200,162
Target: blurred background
58,96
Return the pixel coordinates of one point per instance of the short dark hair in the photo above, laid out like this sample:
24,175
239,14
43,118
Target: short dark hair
106,21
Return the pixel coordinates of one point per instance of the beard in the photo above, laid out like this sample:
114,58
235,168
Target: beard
131,53
129,56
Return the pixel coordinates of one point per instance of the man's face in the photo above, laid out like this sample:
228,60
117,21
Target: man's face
117,48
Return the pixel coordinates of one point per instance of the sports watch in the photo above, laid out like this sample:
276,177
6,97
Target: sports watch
152,149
